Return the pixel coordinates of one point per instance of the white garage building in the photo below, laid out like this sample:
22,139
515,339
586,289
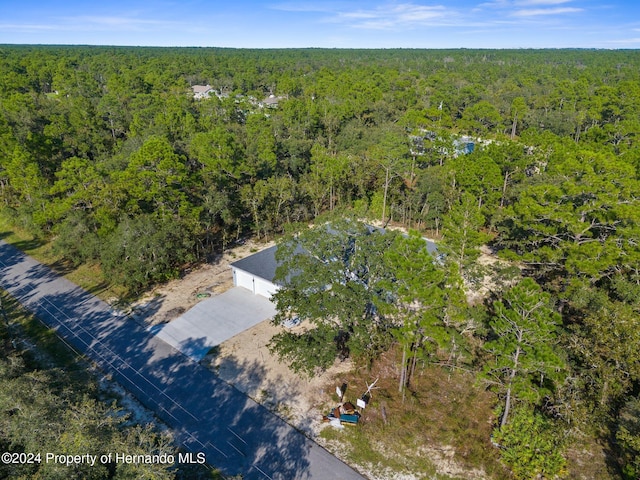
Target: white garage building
256,272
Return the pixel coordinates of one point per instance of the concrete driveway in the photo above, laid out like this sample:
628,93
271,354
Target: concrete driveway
215,320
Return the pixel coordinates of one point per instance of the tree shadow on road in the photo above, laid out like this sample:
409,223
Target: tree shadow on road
25,245
143,312
244,437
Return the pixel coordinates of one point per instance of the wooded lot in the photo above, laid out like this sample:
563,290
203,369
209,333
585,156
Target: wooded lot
107,152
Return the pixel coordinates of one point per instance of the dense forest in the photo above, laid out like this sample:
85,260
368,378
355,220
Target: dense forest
106,152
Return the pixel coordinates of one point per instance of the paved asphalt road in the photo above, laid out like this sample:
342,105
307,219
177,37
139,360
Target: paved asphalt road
207,415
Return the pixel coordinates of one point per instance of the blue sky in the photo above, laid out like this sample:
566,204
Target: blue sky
332,24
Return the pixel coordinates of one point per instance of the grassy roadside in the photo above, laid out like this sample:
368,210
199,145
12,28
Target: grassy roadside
88,276
41,344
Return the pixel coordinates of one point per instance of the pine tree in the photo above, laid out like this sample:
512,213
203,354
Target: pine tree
524,360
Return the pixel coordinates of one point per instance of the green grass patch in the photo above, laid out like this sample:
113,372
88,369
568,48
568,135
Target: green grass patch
88,276
362,445
46,348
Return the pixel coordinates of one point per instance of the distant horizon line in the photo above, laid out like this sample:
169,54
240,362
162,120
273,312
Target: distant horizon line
96,45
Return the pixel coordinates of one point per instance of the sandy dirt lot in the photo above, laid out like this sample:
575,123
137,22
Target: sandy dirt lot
244,360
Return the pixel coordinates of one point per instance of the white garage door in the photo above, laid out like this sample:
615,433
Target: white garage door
243,279
263,287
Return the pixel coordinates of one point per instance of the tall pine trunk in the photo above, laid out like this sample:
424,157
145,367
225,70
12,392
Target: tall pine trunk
507,402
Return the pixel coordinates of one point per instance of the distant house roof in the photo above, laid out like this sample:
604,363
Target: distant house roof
201,88
201,91
464,145
262,264
271,101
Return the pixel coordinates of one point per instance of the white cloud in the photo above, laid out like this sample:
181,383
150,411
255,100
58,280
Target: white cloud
626,42
112,21
536,12
508,4
88,23
532,3
116,23
326,7
394,16
27,27
495,4
390,15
